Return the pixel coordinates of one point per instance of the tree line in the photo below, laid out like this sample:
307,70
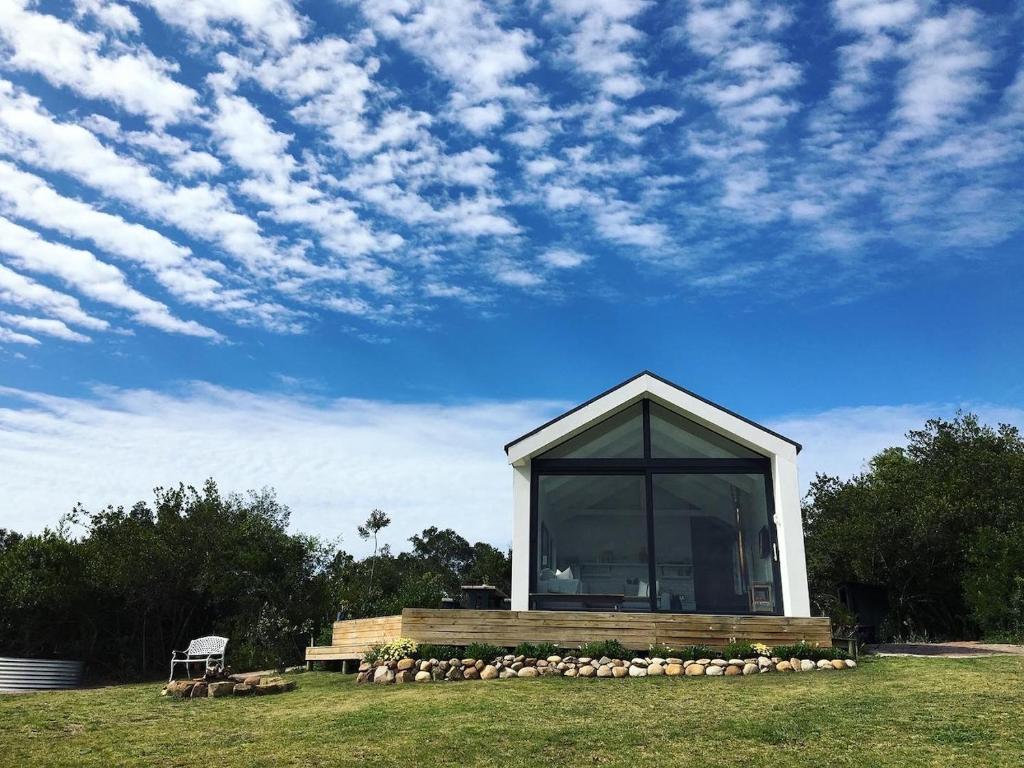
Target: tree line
120,588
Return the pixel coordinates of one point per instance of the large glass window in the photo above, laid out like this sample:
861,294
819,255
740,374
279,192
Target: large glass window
675,437
618,437
592,543
713,544
702,541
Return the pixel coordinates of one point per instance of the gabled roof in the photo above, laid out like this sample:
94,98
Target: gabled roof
641,385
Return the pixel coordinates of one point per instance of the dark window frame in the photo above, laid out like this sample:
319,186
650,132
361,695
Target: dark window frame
648,467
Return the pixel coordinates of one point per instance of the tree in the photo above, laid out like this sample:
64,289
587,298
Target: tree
375,523
934,523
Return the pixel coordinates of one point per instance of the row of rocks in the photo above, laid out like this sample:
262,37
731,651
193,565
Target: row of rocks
200,688
410,670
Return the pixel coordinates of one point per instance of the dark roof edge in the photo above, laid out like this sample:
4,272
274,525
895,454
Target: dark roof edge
665,381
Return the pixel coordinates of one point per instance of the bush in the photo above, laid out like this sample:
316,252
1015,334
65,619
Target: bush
739,650
660,651
439,652
393,651
537,650
613,649
484,651
697,652
812,652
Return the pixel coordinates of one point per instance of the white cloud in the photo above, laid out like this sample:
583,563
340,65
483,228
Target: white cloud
94,278
273,21
465,43
22,291
947,59
136,81
44,325
331,461
563,258
114,16
7,336
603,44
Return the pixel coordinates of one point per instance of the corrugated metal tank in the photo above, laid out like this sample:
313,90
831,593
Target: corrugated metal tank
38,674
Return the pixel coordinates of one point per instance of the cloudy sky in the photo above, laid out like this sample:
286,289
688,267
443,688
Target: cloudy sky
349,249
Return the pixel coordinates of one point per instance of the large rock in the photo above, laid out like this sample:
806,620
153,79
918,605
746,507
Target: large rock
489,672
674,669
570,672
604,670
673,660
199,690
795,664
851,664
714,670
655,669
453,673
657,660
703,662
587,671
639,662
469,662
838,664
405,676
404,664
217,690
527,672
471,673
806,665
554,659
256,679
720,663
619,671
180,688
695,669
242,689
423,676
506,673
636,670
750,669
763,662
824,664
737,662
383,676
783,666
734,669
426,666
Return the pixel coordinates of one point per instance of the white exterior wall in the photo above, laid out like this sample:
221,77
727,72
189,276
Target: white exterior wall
521,537
789,527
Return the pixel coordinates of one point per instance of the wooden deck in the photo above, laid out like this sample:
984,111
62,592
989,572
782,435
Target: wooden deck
350,639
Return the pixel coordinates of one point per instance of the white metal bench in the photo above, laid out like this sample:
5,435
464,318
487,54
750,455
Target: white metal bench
203,650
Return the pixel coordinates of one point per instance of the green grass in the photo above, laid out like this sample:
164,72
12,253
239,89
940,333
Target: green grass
889,712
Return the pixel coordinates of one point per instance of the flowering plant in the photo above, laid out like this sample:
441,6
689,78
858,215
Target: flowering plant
761,649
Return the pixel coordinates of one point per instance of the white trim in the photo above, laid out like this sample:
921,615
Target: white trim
521,537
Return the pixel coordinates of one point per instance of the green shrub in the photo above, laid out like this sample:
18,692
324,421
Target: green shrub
484,651
812,652
439,652
372,656
536,650
613,649
660,651
697,652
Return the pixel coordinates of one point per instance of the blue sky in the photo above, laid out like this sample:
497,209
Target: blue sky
240,210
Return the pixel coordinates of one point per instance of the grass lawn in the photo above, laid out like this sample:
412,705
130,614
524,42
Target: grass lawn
888,712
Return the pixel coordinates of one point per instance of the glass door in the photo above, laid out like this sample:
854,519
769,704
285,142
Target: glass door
714,544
